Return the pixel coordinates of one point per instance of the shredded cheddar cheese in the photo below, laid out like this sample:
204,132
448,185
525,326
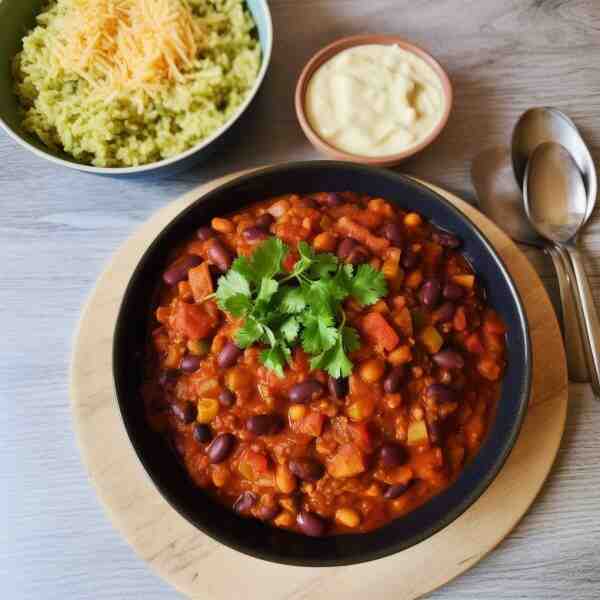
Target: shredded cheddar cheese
128,46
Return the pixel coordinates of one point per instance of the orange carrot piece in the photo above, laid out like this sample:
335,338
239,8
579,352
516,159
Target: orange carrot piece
363,235
200,281
379,331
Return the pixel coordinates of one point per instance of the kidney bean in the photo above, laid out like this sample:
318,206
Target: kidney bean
264,424
395,490
392,455
345,247
393,233
205,233
443,238
245,502
219,255
358,256
338,388
311,524
430,292
185,411
179,272
307,469
393,380
267,512
220,448
452,291
228,355
331,199
190,363
445,312
449,359
305,391
168,378
440,393
227,398
254,233
202,433
409,259
433,429
265,221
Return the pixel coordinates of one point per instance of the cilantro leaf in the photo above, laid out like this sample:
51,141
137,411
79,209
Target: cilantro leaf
292,300
350,338
275,358
341,283
267,289
237,305
290,329
268,336
266,259
319,333
368,285
249,333
242,266
323,265
230,285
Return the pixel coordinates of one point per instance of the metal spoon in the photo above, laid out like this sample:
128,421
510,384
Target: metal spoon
499,197
556,203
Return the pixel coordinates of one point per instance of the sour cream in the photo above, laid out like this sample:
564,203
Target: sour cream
374,100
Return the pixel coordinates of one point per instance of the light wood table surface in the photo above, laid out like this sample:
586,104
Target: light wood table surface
57,229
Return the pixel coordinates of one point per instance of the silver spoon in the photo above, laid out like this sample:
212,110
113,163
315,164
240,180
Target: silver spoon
499,197
556,203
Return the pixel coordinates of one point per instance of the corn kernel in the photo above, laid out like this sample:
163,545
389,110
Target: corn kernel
296,412
222,225
207,410
347,517
412,220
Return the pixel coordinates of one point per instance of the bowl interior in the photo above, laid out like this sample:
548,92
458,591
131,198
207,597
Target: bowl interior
251,536
18,18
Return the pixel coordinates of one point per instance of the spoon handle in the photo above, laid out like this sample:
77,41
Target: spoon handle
587,310
572,332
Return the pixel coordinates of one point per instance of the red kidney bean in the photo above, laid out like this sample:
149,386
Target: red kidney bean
440,393
311,524
227,398
452,291
307,469
395,490
219,255
449,359
338,388
220,448
409,259
345,247
443,238
205,233
331,199
202,433
445,312
185,411
228,355
430,292
358,256
179,272
265,221
252,234
393,233
393,380
267,512
392,455
245,502
305,391
190,363
264,424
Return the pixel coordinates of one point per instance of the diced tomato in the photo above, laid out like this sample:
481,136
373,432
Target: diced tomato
362,435
492,323
347,462
493,342
253,464
404,321
426,464
312,424
379,331
460,319
192,321
473,344
290,260
489,369
200,281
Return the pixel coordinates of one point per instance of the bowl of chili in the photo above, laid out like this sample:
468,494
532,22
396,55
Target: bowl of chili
329,370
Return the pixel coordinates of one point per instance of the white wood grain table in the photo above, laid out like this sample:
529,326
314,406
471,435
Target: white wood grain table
57,229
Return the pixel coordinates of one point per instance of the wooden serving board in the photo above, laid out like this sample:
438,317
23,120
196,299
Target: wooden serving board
202,568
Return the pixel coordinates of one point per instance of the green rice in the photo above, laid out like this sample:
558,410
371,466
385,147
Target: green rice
60,108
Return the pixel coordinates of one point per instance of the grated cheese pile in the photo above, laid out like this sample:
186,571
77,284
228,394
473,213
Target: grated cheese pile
127,46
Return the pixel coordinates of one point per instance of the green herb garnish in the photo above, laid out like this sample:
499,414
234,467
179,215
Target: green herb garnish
282,310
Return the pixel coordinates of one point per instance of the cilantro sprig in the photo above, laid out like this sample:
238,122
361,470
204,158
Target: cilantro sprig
303,307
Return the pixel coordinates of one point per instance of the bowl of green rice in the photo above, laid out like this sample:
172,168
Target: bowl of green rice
129,87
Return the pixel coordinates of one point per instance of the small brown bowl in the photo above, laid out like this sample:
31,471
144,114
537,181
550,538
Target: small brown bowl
359,40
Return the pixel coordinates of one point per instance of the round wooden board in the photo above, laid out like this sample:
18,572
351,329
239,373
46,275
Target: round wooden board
202,568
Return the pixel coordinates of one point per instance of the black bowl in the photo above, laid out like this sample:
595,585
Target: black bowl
251,536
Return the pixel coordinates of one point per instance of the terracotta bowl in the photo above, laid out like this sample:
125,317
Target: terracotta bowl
359,40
